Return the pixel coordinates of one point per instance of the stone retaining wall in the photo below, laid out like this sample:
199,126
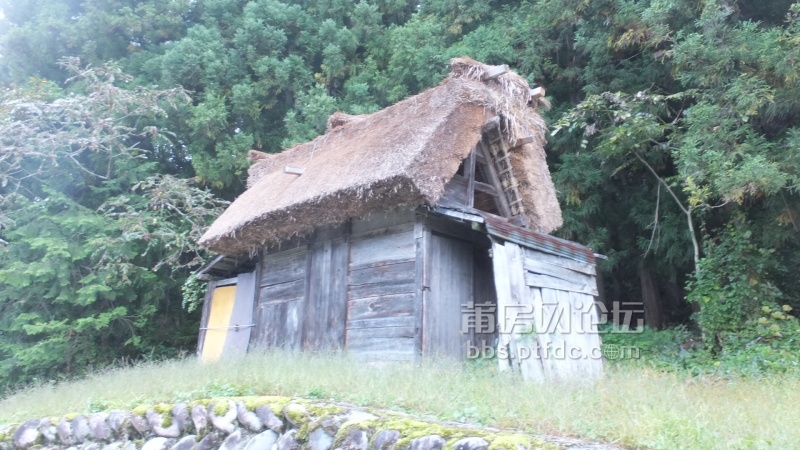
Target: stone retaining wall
256,423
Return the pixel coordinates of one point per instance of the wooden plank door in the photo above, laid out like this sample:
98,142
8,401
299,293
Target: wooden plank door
451,286
228,318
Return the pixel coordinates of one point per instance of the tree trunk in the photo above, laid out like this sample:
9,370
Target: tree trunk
651,299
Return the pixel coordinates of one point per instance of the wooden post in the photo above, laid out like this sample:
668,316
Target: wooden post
469,172
422,239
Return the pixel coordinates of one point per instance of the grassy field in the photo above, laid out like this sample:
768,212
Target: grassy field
632,406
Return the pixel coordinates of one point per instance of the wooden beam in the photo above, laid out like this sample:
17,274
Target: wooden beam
560,261
494,72
537,92
458,215
294,170
548,282
214,262
522,141
445,225
469,172
545,268
487,188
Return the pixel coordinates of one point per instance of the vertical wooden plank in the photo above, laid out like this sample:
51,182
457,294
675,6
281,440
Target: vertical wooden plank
241,321
422,237
563,340
503,288
325,292
592,367
337,315
450,287
542,336
317,283
484,293
549,336
469,173
526,345
577,337
519,294
201,335
256,298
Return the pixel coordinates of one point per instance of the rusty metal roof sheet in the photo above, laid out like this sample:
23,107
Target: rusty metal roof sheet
500,227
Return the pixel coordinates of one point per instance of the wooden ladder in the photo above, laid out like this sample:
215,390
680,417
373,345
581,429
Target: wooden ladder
501,160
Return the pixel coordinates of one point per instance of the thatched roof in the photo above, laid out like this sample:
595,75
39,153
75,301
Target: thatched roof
401,156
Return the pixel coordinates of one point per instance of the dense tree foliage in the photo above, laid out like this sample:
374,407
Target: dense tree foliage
97,235
675,147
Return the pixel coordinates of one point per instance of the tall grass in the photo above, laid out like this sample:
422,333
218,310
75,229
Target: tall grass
638,407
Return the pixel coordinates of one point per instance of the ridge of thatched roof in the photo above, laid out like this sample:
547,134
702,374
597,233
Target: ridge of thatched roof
401,156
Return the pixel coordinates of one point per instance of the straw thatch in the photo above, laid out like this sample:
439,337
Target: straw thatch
401,156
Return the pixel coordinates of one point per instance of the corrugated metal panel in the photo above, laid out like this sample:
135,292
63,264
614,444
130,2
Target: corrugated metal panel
497,226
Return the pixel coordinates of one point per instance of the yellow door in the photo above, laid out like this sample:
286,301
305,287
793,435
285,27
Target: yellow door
219,319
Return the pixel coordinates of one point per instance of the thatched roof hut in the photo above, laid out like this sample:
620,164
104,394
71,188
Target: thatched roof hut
401,156
375,236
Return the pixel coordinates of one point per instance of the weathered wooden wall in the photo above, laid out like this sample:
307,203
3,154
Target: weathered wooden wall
347,287
559,292
392,287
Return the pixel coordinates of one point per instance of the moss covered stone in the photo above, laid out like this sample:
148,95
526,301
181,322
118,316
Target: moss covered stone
347,428
509,441
204,402
163,408
221,406
296,414
275,403
411,429
140,410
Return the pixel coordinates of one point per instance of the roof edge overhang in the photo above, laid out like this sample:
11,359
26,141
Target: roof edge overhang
500,227
304,217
